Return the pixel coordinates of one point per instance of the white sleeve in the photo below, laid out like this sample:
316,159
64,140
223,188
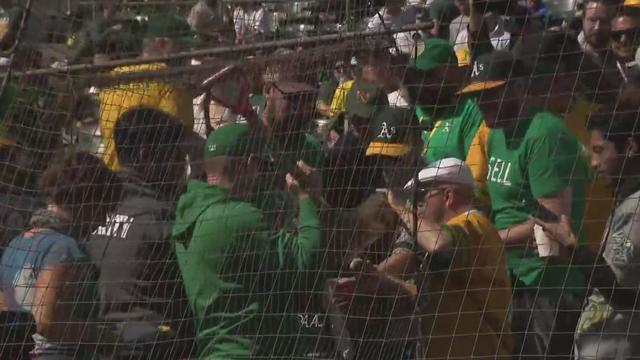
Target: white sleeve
375,24
239,22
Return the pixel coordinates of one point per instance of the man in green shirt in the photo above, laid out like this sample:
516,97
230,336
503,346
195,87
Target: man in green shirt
535,168
248,287
456,127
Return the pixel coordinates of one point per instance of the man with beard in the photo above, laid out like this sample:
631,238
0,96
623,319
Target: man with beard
625,34
596,29
534,165
608,327
286,133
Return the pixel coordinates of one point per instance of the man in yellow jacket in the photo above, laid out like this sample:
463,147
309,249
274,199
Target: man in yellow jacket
165,34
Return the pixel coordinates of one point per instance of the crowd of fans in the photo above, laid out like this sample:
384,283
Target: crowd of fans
469,191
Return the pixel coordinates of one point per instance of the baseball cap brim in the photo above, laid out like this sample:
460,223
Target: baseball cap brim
480,86
386,149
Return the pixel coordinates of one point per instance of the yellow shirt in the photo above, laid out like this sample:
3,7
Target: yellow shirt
468,301
339,101
114,101
478,163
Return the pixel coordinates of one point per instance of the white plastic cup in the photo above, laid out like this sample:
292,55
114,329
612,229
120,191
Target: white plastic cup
546,247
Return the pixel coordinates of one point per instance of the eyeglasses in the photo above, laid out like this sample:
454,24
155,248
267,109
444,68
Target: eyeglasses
436,191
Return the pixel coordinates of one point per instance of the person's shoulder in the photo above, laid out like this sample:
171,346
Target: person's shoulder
50,241
474,223
629,206
347,85
136,200
547,124
235,213
469,111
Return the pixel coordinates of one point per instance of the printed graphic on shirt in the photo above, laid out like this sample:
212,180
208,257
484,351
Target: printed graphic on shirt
499,171
117,225
621,248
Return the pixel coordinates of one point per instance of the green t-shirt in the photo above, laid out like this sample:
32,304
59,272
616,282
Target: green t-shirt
327,89
542,158
452,137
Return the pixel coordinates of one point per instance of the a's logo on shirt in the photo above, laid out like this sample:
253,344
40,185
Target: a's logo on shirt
212,148
499,171
387,132
362,96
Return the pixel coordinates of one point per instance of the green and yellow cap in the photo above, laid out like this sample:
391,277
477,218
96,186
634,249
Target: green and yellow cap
631,3
493,70
436,52
393,132
169,26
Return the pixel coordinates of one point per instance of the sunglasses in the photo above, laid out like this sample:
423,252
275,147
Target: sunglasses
630,34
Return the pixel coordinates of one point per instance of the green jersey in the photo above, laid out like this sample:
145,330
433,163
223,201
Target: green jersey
248,286
541,159
453,136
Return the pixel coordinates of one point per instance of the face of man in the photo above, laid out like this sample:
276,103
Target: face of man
434,204
463,6
284,111
597,25
500,106
433,87
605,160
380,73
394,6
625,37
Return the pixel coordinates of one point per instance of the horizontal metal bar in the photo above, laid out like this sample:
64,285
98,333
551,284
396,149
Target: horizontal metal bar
221,50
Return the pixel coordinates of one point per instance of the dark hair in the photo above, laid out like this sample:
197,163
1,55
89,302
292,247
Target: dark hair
147,127
80,179
617,124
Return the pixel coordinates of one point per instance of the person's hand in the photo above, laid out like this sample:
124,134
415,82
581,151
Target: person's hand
304,181
559,232
400,208
355,295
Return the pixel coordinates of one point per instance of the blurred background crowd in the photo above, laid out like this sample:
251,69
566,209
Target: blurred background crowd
323,179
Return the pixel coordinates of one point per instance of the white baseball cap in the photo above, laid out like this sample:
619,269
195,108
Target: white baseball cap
448,171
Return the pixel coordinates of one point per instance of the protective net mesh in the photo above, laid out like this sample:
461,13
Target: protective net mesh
326,179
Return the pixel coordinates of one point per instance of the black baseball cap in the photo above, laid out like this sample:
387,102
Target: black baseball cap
493,70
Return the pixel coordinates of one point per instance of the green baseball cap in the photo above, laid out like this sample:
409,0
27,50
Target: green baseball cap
493,70
393,131
436,52
229,140
169,26
363,98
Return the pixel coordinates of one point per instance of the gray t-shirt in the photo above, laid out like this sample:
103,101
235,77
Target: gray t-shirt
622,239
600,318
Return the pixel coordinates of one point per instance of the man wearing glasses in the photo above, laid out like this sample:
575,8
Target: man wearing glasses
459,262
